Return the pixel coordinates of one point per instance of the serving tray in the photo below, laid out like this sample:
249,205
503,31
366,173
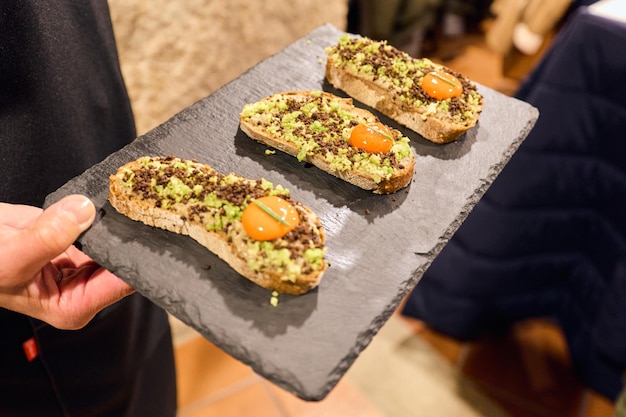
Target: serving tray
378,246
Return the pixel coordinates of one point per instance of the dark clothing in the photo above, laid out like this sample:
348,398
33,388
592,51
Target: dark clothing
121,364
549,236
63,108
63,104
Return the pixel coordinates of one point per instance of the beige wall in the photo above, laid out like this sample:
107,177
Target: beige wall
174,53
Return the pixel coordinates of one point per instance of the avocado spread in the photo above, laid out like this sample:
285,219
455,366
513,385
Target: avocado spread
201,195
401,75
319,124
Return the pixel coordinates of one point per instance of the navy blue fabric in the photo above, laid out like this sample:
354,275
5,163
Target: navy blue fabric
548,239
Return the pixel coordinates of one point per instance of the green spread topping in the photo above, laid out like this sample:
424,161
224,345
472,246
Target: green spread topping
401,75
201,195
319,125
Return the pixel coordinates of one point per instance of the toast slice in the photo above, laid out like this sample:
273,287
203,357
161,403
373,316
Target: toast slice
389,80
190,198
315,127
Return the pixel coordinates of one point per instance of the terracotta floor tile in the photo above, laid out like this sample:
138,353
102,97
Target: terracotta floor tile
344,400
527,369
203,370
251,401
598,406
451,349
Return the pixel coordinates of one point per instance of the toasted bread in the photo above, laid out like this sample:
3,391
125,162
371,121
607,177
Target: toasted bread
315,127
389,80
190,198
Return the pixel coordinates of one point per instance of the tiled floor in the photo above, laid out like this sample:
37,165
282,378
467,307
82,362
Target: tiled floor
409,370
211,383
525,373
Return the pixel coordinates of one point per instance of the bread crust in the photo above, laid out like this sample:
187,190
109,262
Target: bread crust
374,92
229,245
400,178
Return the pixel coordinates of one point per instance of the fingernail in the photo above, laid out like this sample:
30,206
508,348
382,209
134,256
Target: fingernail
80,209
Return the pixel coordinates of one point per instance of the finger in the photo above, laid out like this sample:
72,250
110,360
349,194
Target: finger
51,273
51,233
18,216
86,292
104,288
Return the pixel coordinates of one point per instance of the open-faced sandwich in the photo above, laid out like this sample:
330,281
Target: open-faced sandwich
335,136
253,225
433,100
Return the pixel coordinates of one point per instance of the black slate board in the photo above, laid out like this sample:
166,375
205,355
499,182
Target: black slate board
378,246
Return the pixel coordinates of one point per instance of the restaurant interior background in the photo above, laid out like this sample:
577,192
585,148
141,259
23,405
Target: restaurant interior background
175,53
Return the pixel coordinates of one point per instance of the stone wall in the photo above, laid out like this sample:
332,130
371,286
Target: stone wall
174,53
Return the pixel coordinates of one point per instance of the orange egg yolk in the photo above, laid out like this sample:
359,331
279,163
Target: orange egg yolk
372,137
441,85
269,218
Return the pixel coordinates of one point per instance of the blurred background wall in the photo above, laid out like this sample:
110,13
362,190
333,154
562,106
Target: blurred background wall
174,53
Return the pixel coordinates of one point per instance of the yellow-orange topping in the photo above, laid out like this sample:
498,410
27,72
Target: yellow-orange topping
441,85
372,137
269,218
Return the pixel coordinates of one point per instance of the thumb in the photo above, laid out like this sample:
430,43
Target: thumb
56,229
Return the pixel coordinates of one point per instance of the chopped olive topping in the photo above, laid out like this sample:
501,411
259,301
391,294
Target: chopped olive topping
200,194
401,75
319,124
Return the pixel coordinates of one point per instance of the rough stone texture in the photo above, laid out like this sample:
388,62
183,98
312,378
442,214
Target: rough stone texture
174,53
378,245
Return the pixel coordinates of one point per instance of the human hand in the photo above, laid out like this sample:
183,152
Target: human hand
43,275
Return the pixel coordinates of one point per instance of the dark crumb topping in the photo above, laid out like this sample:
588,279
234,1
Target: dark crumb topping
402,74
209,198
320,124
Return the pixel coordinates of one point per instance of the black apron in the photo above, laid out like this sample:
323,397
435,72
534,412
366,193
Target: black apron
63,108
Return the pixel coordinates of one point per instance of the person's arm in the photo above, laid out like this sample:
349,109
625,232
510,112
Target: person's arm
43,275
